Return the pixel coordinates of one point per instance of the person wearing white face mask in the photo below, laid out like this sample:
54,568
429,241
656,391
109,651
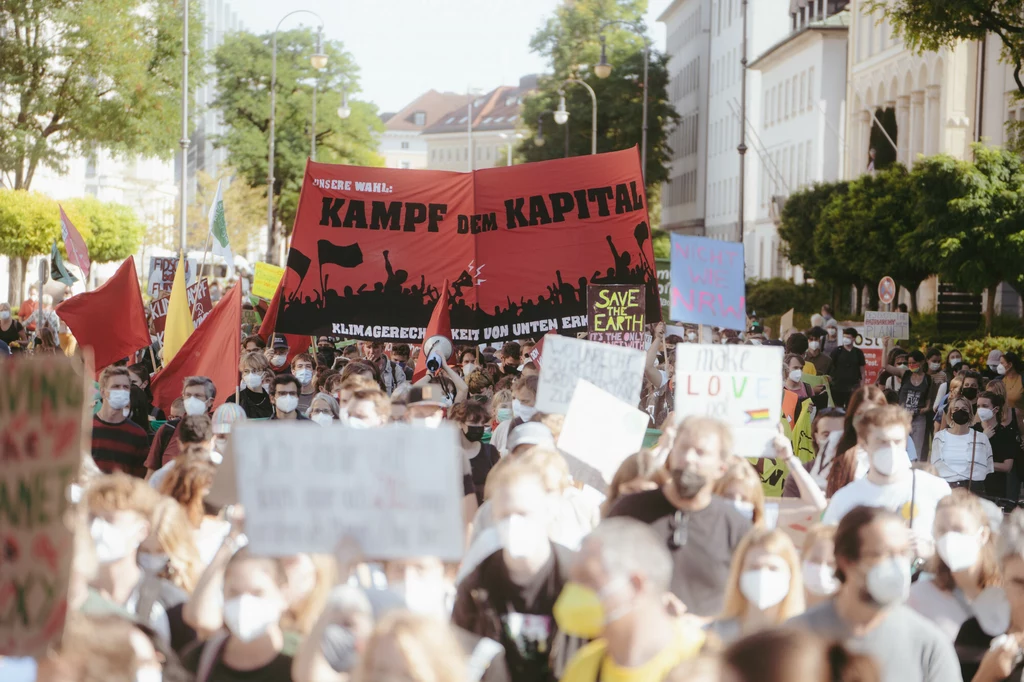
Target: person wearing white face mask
252,647
818,564
765,587
198,396
284,394
873,557
510,595
964,565
323,409
849,365
816,354
524,397
303,366
277,355
741,486
252,397
118,443
891,483
11,330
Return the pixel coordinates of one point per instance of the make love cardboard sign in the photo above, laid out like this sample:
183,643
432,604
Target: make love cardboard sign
741,385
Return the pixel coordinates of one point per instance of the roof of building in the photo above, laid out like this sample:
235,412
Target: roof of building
432,104
495,110
835,22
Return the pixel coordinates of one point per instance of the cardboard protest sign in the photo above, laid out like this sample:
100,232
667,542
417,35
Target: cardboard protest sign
887,325
708,285
664,267
41,440
614,369
519,245
874,354
796,517
199,301
265,279
396,489
785,323
161,273
741,385
599,432
158,314
615,315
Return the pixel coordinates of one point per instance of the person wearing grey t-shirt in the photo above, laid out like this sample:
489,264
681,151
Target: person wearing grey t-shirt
867,614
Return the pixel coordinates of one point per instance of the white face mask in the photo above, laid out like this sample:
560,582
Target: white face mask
521,536
889,460
322,418
847,341
304,376
524,412
954,362
279,360
691,336
888,582
118,398
813,345
287,403
149,674
5,315
248,617
427,597
764,588
152,563
358,423
468,369
832,332
934,366
1000,370
253,381
194,406
985,414
112,542
745,508
796,375
820,579
958,551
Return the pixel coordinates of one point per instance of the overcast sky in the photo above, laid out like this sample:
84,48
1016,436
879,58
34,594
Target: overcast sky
405,47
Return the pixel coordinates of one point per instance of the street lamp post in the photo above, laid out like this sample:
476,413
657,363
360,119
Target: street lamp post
742,148
603,69
184,141
561,115
510,137
318,61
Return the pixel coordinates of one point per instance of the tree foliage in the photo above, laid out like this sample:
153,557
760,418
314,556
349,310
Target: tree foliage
243,65
75,74
112,231
569,40
801,216
928,25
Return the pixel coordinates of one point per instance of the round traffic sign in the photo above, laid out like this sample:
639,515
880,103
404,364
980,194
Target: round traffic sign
887,290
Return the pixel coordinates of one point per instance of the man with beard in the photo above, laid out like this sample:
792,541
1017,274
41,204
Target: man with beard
701,530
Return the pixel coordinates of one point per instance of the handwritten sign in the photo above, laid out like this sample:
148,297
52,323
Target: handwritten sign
741,385
616,315
396,489
265,280
599,432
874,354
613,369
708,284
199,301
161,273
158,314
41,439
887,325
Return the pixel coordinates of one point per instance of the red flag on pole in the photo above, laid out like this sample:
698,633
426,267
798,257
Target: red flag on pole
297,343
89,315
440,325
211,351
78,253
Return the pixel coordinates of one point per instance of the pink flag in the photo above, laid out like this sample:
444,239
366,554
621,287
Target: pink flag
78,253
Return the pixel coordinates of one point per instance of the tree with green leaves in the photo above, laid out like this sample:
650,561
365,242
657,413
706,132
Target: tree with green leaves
112,231
243,83
569,40
928,25
80,74
798,225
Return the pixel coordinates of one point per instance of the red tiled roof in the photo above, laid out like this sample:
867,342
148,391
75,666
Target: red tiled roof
432,103
496,110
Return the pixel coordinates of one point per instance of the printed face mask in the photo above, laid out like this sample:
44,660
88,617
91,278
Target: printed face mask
119,398
248,617
287,403
820,579
194,406
253,381
763,588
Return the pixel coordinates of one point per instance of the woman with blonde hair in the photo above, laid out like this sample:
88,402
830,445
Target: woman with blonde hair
818,564
740,485
964,563
169,552
638,472
765,586
252,397
188,482
412,648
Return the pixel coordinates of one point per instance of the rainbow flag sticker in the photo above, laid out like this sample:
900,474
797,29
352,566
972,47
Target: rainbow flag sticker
758,415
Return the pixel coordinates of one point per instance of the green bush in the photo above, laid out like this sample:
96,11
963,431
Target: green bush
769,297
975,351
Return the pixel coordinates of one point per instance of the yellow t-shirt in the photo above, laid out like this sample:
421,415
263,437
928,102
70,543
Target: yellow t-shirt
810,369
583,667
1014,392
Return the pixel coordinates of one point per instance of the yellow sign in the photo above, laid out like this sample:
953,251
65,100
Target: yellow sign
266,279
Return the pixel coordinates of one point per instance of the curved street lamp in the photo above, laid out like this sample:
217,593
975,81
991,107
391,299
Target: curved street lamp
318,61
561,115
603,69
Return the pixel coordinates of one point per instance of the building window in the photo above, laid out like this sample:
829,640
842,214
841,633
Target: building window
795,104
405,145
419,118
810,88
803,91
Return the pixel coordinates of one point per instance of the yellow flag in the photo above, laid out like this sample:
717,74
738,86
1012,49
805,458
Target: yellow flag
179,317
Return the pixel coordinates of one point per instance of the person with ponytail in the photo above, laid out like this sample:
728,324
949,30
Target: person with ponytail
786,655
964,565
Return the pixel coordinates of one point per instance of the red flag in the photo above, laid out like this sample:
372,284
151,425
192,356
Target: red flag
89,316
211,351
440,325
78,253
297,343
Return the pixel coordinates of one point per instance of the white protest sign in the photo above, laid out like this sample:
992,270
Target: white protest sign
599,432
396,489
741,385
614,369
887,325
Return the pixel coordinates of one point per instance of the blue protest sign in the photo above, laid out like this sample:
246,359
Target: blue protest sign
707,282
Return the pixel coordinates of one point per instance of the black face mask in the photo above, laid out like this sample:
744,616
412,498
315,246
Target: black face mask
688,482
474,433
970,393
961,417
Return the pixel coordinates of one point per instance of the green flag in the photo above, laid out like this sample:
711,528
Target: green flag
219,231
58,272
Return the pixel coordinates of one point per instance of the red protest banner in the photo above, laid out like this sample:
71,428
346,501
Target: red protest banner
520,244
158,314
199,301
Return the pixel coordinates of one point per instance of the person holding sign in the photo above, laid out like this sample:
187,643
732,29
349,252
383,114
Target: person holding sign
701,530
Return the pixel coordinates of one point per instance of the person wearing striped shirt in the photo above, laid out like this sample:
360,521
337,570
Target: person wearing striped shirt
118,443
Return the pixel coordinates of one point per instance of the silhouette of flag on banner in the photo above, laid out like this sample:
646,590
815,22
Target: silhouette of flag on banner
297,343
78,253
58,272
440,325
298,262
